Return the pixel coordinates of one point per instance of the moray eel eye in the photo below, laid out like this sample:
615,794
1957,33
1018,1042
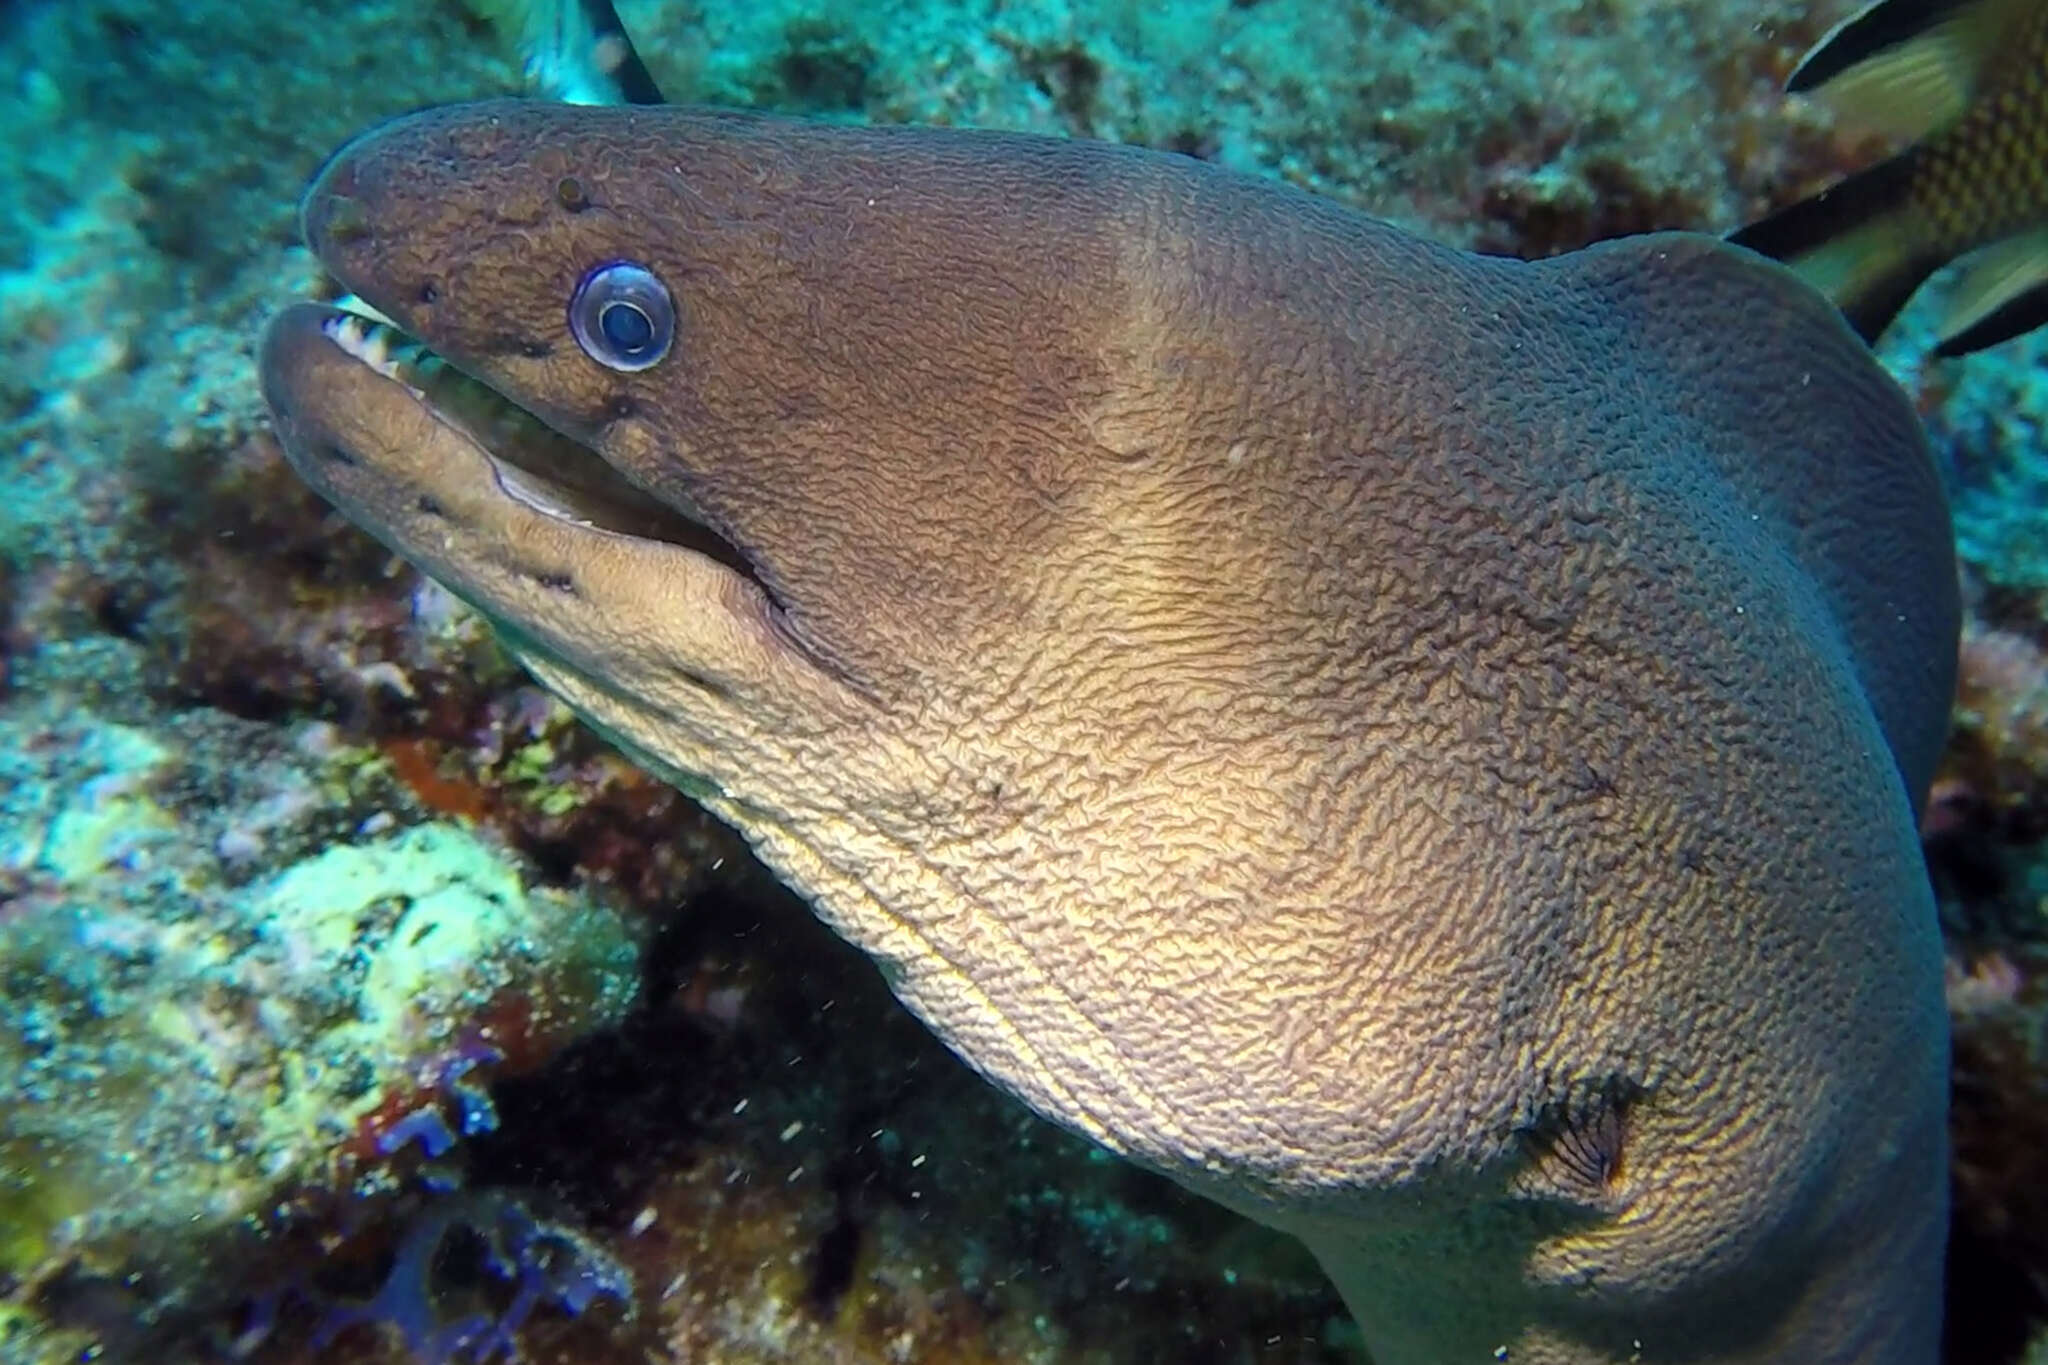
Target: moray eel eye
622,316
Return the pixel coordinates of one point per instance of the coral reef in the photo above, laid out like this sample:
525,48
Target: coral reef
297,873
1992,418
1998,1252
215,999
1986,834
535,1263
1516,125
790,1169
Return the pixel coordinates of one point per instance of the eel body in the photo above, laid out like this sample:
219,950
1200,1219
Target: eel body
1423,749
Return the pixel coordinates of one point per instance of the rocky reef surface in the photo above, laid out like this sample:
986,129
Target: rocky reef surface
356,1005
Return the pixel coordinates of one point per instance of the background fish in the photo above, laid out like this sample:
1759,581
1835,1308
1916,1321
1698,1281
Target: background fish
576,51
1969,80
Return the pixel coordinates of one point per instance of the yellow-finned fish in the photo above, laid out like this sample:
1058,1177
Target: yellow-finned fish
1969,80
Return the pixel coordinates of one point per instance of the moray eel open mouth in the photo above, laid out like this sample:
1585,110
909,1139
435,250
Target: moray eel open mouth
508,429
580,567
544,470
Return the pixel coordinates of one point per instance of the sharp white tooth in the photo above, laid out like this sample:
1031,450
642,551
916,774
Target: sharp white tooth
349,303
377,352
524,489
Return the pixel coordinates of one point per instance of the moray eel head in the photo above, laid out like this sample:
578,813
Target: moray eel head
1423,749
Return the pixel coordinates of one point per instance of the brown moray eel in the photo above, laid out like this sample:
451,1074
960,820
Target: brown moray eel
1423,749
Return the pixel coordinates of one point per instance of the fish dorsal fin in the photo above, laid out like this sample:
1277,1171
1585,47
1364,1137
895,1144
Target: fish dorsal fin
2003,292
1906,68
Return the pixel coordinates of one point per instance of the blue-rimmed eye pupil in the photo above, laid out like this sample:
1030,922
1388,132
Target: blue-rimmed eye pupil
622,316
626,326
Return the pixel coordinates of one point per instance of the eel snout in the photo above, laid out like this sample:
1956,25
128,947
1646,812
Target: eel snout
516,519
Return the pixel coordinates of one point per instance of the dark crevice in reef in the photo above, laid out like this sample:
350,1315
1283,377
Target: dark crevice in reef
1071,78
824,69
1998,1239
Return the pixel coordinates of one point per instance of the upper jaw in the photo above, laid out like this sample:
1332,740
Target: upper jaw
546,471
558,554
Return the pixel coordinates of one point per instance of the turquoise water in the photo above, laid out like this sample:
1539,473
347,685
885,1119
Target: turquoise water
352,995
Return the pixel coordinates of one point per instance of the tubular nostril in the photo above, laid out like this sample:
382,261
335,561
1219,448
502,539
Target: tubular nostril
330,211
342,222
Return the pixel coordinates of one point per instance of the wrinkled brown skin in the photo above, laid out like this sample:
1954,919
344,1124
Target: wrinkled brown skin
1421,748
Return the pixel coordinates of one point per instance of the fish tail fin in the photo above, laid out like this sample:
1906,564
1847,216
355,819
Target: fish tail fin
2003,292
576,51
1907,68
1855,242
